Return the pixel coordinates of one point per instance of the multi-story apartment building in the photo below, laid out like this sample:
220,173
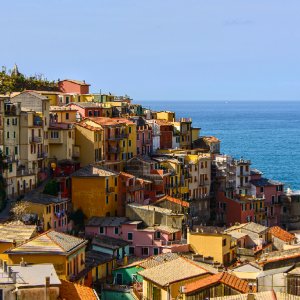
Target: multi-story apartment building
243,186
89,143
143,136
2,99
95,191
119,139
199,186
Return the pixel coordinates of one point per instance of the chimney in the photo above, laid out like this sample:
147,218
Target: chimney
22,263
9,272
47,281
250,296
5,267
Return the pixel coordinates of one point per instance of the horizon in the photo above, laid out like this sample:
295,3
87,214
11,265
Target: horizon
160,50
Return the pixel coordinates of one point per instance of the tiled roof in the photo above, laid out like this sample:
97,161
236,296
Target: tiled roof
106,221
17,231
265,182
73,291
279,255
254,227
156,260
89,127
104,121
86,104
166,229
171,271
51,242
211,139
37,197
32,93
127,175
281,234
224,278
174,200
109,242
76,81
93,171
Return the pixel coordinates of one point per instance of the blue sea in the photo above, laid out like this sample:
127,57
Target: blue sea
266,132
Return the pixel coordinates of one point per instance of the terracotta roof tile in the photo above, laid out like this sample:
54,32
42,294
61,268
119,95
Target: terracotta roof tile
281,234
174,200
225,278
73,291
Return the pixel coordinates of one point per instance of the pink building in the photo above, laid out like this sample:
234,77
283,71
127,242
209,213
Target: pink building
145,241
87,109
271,191
144,142
73,86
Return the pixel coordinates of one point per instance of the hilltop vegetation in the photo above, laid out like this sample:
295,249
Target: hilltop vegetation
14,81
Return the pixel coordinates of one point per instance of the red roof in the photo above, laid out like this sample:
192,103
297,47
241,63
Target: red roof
281,234
225,278
73,291
174,200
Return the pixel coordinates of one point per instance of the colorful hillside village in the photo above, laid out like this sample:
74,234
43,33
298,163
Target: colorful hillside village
107,199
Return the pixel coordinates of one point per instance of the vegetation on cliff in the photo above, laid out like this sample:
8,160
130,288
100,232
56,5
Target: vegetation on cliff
14,81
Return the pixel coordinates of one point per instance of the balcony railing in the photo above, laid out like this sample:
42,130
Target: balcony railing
117,137
35,139
114,150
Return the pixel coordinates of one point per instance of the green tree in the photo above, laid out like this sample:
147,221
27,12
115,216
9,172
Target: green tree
51,188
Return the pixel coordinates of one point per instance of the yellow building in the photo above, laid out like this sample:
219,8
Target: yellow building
65,252
212,242
95,191
119,139
163,281
89,143
62,114
51,210
164,115
62,141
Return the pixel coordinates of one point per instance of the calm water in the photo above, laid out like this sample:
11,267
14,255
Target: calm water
266,132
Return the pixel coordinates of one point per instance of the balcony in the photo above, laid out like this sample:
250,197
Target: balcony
76,152
58,140
41,155
117,137
114,150
135,188
110,189
35,139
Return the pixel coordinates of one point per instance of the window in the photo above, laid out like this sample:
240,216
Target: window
116,197
116,230
155,251
129,129
54,134
101,230
67,99
90,113
224,242
106,200
130,236
131,250
10,168
67,116
157,235
7,121
16,150
7,135
262,189
129,143
116,181
145,251
138,136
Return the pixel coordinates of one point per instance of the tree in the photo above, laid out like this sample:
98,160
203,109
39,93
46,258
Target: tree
51,188
19,210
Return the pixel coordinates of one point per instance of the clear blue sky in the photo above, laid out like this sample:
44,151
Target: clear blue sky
159,49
